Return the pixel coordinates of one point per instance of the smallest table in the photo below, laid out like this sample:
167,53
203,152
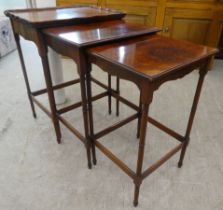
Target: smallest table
148,62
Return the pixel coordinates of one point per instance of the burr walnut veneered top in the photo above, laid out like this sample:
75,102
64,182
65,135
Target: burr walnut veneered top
98,32
152,55
51,16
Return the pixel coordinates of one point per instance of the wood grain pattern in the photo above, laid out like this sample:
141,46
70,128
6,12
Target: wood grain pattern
193,20
49,17
152,56
148,62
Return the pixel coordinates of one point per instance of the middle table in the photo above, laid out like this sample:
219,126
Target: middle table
72,41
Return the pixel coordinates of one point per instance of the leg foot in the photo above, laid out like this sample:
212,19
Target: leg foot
34,115
59,140
88,156
135,204
89,166
180,164
136,196
94,161
94,155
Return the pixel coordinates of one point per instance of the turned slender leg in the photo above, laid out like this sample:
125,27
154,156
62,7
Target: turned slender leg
139,119
25,74
51,97
143,128
118,92
83,67
109,94
192,114
86,120
91,120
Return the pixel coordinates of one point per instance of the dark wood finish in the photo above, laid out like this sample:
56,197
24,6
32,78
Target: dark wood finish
93,34
90,99
25,74
149,61
118,92
56,87
51,98
29,24
166,129
202,72
115,126
116,160
156,56
62,16
156,165
220,47
109,94
79,104
127,51
72,41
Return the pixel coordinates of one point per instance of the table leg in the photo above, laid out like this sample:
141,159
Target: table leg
143,128
202,73
109,94
90,111
139,118
51,97
86,118
25,74
118,92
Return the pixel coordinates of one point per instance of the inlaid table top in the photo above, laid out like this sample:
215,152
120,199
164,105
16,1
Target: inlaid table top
98,32
56,16
152,56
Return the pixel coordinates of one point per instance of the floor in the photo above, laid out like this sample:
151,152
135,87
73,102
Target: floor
36,173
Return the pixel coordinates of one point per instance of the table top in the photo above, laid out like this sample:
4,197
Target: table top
99,32
56,16
152,56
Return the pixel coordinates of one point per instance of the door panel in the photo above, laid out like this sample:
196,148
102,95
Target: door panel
191,25
190,29
143,11
73,2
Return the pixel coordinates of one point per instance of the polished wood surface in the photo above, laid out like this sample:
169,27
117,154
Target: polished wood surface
100,32
29,24
55,16
198,21
146,59
152,55
149,61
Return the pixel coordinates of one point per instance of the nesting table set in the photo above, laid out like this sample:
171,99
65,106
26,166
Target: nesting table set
90,35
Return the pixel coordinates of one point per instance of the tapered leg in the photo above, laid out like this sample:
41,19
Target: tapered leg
86,119
192,114
51,97
90,110
118,92
25,74
138,180
109,94
139,119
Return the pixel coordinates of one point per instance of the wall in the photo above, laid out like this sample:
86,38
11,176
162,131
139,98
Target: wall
16,4
199,21
46,3
11,4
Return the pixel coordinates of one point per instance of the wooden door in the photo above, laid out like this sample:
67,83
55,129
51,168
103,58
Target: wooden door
76,2
143,11
188,24
220,46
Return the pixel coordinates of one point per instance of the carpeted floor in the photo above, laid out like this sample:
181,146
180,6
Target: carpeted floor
38,174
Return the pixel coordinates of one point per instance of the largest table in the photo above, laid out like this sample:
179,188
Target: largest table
31,23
